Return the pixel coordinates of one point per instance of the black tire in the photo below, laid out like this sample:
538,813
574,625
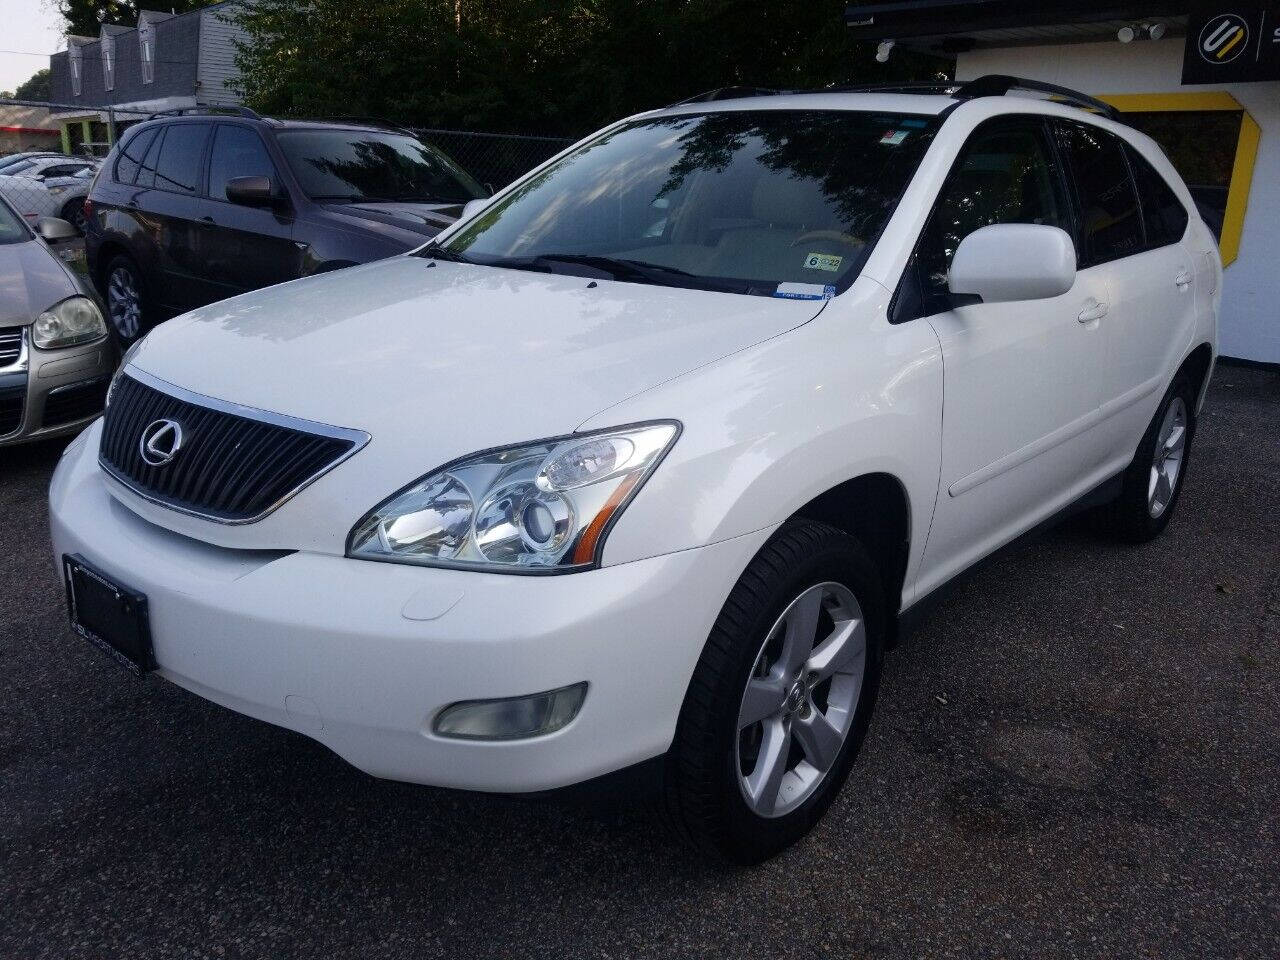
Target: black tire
701,795
1129,518
73,213
126,335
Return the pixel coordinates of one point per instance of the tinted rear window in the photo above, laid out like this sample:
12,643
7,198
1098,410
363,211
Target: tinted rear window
131,153
1162,212
178,167
1111,219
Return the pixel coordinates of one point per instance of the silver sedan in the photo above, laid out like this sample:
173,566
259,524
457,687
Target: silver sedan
55,357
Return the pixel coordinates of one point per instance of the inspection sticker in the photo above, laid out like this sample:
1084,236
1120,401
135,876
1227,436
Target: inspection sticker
894,137
805,291
822,261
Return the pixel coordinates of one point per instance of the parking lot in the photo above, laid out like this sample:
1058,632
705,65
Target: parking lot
1077,756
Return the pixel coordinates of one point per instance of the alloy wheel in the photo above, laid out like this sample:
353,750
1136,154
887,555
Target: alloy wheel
800,700
124,303
1166,464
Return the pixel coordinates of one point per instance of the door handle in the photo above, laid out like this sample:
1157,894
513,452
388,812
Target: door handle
1093,310
1182,280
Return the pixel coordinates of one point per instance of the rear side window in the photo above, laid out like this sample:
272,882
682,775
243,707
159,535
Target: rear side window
1111,221
131,153
179,165
1163,214
1005,174
237,152
147,172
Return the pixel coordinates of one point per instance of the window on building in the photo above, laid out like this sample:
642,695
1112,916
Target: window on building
237,152
1111,221
75,62
1163,214
179,165
131,153
1005,174
108,63
147,50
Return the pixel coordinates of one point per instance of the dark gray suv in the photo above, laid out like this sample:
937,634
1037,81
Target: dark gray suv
202,205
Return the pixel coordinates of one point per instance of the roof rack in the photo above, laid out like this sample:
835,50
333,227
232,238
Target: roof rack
997,85
991,85
180,111
362,121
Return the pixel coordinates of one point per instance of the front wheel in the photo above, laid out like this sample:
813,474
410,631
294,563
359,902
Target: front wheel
781,697
73,213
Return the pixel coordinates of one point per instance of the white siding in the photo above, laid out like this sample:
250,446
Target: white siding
217,61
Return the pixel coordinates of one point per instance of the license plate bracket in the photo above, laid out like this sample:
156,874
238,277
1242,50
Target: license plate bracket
112,617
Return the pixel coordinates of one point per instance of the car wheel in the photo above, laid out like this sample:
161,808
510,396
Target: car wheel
126,300
73,213
1153,481
780,699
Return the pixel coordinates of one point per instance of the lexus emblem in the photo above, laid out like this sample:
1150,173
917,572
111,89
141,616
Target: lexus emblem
160,442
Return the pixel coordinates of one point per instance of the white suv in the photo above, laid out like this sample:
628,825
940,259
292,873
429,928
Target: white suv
650,458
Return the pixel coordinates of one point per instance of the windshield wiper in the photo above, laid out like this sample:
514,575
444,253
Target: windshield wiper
618,268
434,251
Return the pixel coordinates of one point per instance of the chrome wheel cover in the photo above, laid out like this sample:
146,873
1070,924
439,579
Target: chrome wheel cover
124,304
1166,463
800,700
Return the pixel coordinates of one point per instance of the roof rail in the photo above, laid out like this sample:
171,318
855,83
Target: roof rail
362,121
730,93
233,110
997,85
941,88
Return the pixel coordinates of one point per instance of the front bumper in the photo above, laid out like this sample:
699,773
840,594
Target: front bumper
49,393
361,656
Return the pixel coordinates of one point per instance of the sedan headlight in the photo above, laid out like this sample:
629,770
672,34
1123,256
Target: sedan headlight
542,507
74,320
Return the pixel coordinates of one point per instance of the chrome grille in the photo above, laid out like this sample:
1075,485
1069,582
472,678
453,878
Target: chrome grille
235,464
10,345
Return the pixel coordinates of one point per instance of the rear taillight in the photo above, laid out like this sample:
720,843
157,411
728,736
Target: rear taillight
88,208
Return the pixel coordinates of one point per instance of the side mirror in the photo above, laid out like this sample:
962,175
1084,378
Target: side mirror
251,191
51,229
1014,261
474,207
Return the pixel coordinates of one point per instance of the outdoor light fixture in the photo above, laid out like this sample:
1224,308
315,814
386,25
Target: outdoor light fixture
883,50
1137,31
1128,33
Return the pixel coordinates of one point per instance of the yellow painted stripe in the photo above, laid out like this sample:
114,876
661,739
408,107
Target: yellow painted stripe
1163,102
1234,40
1238,194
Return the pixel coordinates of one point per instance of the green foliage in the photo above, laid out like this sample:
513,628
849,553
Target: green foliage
35,88
84,17
539,66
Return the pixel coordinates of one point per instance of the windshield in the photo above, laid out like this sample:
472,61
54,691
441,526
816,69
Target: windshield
767,202
12,229
369,165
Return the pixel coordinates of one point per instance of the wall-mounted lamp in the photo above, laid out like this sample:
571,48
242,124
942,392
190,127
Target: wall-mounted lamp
883,50
1140,31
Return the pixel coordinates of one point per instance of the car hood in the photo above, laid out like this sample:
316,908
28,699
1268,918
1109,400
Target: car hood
426,219
31,280
438,360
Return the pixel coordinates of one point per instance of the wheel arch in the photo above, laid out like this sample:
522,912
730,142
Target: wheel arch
876,509
1196,368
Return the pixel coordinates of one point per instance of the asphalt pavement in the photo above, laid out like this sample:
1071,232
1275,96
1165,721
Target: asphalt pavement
1077,756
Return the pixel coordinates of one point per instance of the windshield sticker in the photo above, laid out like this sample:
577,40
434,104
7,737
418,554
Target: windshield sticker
805,291
822,261
894,137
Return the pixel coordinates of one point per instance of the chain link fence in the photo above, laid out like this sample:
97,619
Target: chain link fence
49,175
494,159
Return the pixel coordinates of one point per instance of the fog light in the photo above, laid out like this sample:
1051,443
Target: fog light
513,719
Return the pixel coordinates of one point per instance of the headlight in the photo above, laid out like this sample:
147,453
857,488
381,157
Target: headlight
542,507
57,190
74,320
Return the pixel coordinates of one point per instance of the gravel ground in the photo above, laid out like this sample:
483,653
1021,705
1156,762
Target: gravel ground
1078,756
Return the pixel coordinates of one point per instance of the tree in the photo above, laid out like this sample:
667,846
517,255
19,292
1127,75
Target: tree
85,17
35,88
538,66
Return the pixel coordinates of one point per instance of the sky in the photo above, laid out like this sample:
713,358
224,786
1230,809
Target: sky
30,26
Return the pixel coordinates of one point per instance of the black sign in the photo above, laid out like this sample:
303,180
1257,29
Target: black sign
1232,41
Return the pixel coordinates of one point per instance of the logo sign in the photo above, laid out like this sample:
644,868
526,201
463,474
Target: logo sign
160,442
1232,41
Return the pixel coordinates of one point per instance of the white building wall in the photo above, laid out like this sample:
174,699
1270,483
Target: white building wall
217,66
1250,322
